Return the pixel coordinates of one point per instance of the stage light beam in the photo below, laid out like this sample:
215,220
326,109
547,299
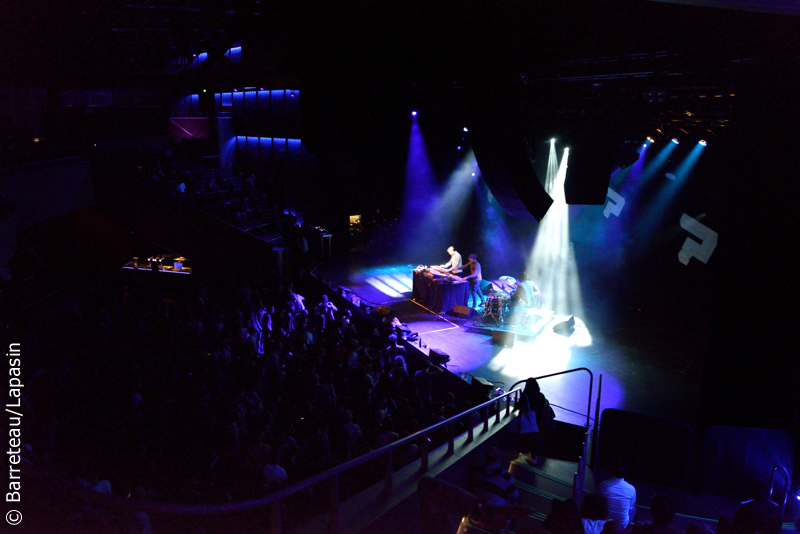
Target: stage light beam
551,264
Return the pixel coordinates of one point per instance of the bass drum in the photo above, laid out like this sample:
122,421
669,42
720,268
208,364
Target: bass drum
495,307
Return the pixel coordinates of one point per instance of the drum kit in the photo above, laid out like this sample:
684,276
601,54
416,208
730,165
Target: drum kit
495,308
499,306
498,300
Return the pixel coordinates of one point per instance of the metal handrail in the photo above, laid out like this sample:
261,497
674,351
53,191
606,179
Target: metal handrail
117,503
580,475
788,484
591,384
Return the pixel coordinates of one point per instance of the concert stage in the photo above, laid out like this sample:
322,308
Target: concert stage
526,328
639,371
474,351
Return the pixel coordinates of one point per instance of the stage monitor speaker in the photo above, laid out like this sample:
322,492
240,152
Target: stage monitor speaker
402,330
481,389
345,292
439,357
565,328
505,339
464,311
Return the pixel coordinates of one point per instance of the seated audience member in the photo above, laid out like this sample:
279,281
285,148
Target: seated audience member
663,514
594,513
491,482
759,514
620,494
212,185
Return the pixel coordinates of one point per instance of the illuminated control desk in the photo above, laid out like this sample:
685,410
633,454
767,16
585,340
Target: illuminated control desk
157,264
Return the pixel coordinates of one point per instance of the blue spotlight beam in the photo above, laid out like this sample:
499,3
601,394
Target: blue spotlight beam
631,177
419,199
451,205
658,207
687,165
495,232
652,168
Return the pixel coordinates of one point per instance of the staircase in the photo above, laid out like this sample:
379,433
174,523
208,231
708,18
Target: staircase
539,486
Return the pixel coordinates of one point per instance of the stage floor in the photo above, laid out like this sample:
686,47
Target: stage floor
650,370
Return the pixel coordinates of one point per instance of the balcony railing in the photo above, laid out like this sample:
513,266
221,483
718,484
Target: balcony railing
331,476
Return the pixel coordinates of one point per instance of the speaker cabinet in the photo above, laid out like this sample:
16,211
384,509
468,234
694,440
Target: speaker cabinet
504,339
481,389
565,328
439,357
464,311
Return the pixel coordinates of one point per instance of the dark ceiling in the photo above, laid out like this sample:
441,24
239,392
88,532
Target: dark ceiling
661,62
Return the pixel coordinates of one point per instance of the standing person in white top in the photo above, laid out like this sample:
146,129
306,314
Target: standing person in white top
620,494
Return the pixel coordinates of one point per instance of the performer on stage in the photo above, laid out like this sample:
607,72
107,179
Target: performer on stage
474,279
454,265
526,294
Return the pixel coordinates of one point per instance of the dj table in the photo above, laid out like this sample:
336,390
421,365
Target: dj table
437,293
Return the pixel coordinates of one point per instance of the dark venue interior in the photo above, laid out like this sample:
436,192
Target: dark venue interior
228,295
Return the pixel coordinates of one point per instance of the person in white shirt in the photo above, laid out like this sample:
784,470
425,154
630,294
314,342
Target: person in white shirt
594,513
621,495
454,265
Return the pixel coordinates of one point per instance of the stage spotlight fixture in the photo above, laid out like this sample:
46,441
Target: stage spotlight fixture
466,129
553,140
473,174
650,139
413,113
703,142
675,140
670,176
459,148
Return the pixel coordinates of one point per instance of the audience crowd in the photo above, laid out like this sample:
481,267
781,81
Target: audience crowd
187,391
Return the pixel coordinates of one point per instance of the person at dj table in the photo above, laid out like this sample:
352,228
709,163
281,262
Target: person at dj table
454,265
474,278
